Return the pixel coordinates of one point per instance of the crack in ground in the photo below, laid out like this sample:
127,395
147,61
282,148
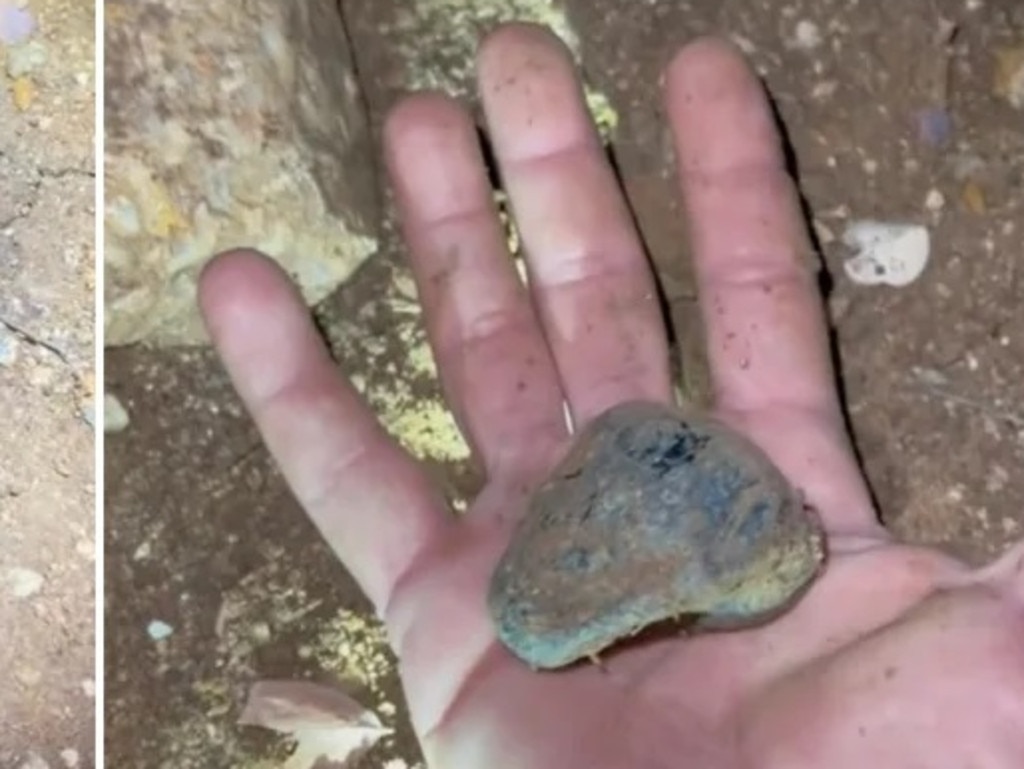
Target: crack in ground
27,336
63,173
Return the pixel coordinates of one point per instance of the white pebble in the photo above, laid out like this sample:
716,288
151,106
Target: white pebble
115,416
159,630
887,253
934,200
23,583
823,232
807,35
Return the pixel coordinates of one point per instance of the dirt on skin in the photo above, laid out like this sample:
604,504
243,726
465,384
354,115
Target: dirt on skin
47,487
203,536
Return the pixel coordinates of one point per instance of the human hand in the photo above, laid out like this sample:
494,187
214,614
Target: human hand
897,657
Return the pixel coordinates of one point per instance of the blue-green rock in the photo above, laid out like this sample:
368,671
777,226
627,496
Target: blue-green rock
655,514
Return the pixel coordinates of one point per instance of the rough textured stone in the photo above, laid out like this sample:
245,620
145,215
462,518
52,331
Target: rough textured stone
654,515
228,124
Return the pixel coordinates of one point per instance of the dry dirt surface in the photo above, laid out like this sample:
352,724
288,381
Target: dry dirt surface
47,488
214,578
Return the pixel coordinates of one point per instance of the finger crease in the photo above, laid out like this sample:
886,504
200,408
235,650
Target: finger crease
736,174
825,412
579,269
487,325
552,156
459,217
759,271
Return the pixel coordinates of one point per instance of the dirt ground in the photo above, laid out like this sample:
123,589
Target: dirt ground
203,537
47,488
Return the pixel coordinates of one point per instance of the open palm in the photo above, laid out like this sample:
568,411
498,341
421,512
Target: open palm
898,657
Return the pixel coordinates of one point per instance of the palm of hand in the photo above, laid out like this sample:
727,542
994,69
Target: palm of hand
887,631
897,655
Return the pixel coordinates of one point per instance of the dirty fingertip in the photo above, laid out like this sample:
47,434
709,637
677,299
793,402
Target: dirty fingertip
719,109
237,277
221,271
411,115
704,64
515,43
422,133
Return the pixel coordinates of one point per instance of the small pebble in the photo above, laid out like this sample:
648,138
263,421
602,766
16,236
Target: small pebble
26,59
85,549
115,416
158,630
16,25
930,376
70,757
23,93
807,35
824,89
122,216
23,583
934,200
8,347
823,232
260,632
934,126
889,253
974,198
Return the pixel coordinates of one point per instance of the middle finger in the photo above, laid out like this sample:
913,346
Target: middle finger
588,272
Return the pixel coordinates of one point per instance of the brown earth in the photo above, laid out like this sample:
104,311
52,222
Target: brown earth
47,486
202,535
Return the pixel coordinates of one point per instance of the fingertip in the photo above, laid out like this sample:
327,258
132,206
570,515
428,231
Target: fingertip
532,95
221,271
234,281
217,278
719,109
704,61
433,158
514,41
413,116
517,44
